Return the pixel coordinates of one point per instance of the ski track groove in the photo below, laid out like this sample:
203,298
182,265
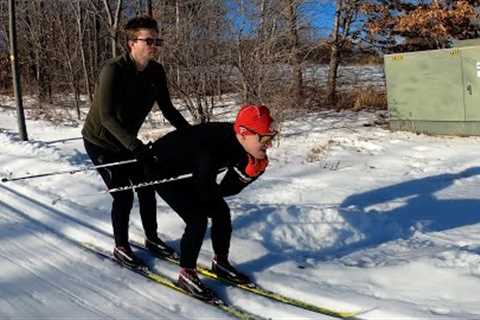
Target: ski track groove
72,297
57,234
91,287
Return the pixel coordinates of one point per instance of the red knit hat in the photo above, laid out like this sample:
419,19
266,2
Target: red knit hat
254,117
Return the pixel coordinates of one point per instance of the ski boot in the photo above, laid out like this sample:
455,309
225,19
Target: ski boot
222,268
160,248
125,256
188,280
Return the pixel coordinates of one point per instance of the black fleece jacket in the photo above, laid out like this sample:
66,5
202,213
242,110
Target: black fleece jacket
204,150
123,98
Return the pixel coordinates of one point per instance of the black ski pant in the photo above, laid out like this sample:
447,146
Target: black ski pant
182,196
119,176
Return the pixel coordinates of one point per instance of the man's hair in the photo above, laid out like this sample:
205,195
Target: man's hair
141,22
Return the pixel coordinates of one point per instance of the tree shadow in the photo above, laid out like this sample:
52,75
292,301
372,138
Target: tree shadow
416,207
409,207
56,215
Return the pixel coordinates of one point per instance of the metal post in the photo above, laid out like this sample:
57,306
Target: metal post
22,128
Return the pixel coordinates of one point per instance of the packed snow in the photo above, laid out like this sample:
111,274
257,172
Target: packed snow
349,215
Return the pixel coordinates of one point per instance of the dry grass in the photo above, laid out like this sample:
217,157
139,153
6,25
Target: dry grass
369,98
362,98
318,152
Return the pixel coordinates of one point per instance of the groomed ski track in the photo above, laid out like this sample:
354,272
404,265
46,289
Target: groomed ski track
42,245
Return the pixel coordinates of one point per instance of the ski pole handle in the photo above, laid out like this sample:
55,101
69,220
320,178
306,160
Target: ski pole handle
5,179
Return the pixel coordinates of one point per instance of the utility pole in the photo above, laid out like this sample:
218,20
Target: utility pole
17,87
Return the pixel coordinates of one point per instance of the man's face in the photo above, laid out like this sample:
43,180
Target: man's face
254,146
141,49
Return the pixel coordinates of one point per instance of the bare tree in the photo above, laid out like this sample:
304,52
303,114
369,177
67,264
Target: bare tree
245,68
295,59
256,53
36,36
5,72
81,34
194,55
346,13
256,48
113,21
68,52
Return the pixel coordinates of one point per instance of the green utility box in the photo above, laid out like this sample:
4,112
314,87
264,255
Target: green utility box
435,92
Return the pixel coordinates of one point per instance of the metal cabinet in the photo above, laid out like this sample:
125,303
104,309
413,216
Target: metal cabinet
435,92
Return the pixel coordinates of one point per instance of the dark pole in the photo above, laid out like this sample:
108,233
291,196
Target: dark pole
22,128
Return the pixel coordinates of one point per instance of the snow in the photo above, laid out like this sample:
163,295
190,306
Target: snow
349,215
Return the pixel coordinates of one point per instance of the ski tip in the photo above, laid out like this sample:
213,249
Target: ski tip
4,179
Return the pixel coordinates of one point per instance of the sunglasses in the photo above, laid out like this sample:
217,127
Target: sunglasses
151,41
263,138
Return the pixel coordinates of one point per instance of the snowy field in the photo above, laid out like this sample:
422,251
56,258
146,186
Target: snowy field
349,75
348,215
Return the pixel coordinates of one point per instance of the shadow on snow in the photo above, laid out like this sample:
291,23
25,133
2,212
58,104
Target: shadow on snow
409,206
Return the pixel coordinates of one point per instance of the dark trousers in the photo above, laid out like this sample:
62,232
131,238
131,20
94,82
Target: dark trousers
182,197
119,176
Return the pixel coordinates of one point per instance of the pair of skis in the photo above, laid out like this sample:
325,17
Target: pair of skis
166,281
216,301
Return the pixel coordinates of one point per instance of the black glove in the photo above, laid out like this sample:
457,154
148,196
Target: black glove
145,157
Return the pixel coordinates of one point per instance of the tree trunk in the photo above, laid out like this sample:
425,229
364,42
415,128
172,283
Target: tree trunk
295,60
33,18
113,20
334,57
332,75
82,51
262,49
177,35
96,44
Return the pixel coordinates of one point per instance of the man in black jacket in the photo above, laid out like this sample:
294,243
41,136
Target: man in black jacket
204,150
126,90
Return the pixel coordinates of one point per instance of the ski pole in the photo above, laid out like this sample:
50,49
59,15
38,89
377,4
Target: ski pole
149,183
155,182
5,179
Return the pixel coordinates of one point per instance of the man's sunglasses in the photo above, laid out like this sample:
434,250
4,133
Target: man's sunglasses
151,41
263,138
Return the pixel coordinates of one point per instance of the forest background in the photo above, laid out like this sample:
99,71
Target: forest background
257,51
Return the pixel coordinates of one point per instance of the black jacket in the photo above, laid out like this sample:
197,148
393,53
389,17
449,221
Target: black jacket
203,150
123,99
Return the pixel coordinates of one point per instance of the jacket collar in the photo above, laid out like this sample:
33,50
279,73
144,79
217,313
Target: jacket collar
131,63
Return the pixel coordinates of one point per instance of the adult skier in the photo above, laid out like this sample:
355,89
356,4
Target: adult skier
241,148
126,90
